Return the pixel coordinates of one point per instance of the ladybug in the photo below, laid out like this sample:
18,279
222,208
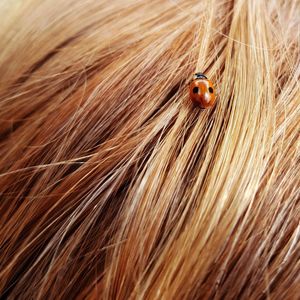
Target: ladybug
202,91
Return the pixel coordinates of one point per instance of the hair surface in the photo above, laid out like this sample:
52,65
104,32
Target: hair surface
113,185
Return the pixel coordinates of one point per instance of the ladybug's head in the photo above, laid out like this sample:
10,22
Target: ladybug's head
199,76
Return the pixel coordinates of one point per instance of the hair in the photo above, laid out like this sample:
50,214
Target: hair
113,185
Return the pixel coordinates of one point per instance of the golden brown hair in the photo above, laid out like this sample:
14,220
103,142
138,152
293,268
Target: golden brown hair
113,185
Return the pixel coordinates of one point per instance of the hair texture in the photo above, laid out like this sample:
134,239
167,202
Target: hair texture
113,185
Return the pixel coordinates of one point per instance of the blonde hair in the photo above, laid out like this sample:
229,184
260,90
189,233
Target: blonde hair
113,185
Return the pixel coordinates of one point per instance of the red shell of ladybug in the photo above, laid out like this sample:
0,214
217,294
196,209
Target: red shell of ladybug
202,91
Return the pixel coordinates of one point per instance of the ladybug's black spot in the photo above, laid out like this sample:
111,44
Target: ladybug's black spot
211,90
195,90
